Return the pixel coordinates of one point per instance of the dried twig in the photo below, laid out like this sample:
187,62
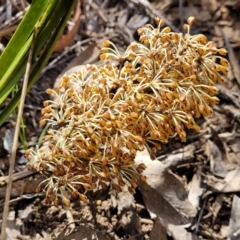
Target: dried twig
181,12
15,144
15,5
23,4
200,215
8,30
16,177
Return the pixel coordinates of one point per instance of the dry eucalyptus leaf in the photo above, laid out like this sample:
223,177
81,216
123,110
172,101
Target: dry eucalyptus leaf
12,234
12,230
67,40
158,231
224,231
215,156
180,233
163,193
127,211
26,213
234,225
231,183
137,21
210,5
195,190
45,235
8,140
217,205
181,156
156,204
83,232
230,95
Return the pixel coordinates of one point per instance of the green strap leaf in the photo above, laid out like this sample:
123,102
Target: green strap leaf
64,12
21,35
43,29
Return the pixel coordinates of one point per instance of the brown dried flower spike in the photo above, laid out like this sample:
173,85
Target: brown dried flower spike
106,114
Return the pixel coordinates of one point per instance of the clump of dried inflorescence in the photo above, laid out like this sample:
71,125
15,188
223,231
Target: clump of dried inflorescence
106,114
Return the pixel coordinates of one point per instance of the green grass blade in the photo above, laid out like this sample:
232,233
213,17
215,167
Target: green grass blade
67,8
44,30
19,39
17,69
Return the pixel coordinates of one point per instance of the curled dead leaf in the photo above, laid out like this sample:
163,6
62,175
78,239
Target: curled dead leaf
163,189
68,38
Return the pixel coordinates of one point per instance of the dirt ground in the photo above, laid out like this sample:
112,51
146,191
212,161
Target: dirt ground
199,180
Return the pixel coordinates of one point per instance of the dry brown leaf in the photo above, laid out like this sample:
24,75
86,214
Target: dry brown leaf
235,148
163,189
8,140
158,231
224,231
45,236
127,211
67,39
231,183
210,5
12,230
22,187
227,34
215,156
156,204
83,232
179,157
195,190
216,206
229,95
234,225
180,233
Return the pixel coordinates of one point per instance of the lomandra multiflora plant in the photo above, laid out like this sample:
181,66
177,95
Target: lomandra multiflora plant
102,116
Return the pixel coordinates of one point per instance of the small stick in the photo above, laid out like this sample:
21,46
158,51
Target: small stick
16,176
181,12
15,143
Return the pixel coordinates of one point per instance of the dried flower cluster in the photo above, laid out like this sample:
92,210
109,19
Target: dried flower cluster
102,116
